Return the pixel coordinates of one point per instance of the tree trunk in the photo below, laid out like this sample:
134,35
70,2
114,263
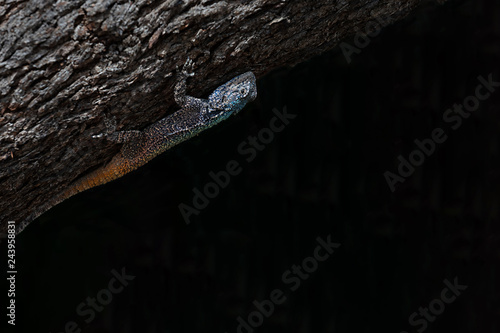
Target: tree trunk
66,64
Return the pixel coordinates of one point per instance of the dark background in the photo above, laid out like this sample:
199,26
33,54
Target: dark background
322,175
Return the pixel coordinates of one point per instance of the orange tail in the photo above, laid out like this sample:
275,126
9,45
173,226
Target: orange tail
118,167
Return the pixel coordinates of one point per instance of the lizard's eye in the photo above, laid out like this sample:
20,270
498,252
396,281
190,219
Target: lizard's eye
243,91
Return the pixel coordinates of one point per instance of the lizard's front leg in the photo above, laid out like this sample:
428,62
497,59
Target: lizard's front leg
187,103
133,140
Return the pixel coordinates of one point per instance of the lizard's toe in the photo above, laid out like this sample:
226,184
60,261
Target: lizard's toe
188,68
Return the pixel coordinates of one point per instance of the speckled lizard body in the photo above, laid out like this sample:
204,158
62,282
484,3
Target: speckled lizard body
140,147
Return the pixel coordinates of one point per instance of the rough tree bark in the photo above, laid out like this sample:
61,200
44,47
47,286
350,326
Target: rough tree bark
65,64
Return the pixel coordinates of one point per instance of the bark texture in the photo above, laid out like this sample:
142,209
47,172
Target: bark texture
65,64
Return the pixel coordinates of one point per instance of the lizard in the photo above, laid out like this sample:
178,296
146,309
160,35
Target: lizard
140,147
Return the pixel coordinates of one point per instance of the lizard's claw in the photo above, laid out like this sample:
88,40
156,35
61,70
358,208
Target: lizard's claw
188,68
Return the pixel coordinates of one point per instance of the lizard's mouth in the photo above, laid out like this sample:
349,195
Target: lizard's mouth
253,94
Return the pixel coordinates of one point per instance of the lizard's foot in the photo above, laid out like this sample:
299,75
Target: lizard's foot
113,135
187,69
180,97
117,136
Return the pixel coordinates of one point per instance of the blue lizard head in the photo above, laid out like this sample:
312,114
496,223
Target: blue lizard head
232,96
